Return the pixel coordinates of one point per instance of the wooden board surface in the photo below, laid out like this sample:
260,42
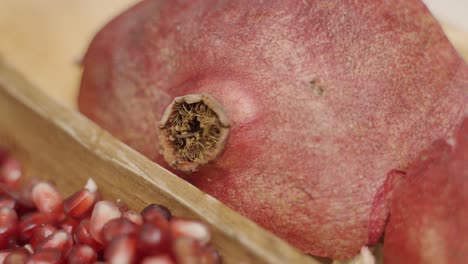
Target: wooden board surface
60,144
44,39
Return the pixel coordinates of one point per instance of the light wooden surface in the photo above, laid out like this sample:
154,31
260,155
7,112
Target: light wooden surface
60,144
44,39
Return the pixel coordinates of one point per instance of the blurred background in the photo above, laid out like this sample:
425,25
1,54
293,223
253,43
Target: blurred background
45,39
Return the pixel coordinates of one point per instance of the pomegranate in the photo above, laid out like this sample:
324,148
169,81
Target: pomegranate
294,113
428,221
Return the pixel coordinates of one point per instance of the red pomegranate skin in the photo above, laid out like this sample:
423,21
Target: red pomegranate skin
428,211
324,97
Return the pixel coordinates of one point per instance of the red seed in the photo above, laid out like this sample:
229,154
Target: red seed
190,228
6,201
153,240
48,199
162,259
46,256
69,225
155,211
60,240
82,254
40,233
25,195
8,226
81,203
11,173
103,212
17,256
187,250
4,253
133,217
117,227
29,222
121,250
83,236
210,255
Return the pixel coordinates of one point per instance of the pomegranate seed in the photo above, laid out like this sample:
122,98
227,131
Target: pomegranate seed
17,256
29,248
121,250
46,256
25,196
82,254
210,255
8,226
189,228
154,211
103,212
40,233
11,173
83,236
163,259
4,254
133,217
6,201
189,250
153,240
81,203
69,225
118,226
29,222
47,199
60,240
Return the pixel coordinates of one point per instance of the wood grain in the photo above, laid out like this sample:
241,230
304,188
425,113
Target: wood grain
60,144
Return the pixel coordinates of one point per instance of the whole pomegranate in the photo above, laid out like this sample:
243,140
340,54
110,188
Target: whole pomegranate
294,113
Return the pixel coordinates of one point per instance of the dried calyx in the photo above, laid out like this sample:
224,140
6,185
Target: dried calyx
193,131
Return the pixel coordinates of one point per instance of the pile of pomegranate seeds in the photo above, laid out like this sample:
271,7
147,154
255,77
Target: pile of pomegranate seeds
38,226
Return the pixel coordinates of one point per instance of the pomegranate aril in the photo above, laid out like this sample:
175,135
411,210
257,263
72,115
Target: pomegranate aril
47,199
46,256
81,203
162,259
17,256
155,212
83,236
4,253
210,255
60,240
11,173
103,212
153,240
121,250
8,226
69,225
133,217
40,233
190,228
82,254
117,227
188,250
29,222
6,201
